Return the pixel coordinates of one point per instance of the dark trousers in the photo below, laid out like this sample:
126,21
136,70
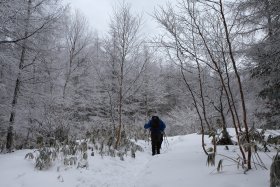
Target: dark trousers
156,142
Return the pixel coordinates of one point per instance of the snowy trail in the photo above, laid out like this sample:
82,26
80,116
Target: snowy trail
183,164
178,165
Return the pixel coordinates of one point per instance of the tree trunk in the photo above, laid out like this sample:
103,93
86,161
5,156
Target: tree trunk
230,92
120,104
65,86
195,105
226,91
225,140
217,69
9,143
203,103
239,84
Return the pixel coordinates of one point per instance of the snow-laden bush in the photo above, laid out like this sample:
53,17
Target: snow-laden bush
103,140
72,153
45,158
260,141
75,153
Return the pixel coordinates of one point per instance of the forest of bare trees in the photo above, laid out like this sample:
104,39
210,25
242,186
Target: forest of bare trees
214,65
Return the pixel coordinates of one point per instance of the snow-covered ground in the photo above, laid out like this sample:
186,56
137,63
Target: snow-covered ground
182,163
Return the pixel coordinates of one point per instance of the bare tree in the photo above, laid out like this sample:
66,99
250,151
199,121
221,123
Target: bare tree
199,34
168,18
124,34
78,39
233,61
31,19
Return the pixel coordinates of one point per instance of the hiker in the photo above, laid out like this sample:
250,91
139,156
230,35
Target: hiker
156,127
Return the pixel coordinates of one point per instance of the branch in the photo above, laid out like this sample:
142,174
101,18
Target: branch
31,34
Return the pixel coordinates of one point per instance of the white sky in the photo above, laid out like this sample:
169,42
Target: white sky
98,12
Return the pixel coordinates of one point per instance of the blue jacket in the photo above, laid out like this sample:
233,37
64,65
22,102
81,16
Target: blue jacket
159,130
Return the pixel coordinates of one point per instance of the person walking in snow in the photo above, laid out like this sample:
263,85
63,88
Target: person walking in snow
156,127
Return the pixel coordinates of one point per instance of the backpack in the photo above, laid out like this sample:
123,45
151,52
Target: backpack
155,123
